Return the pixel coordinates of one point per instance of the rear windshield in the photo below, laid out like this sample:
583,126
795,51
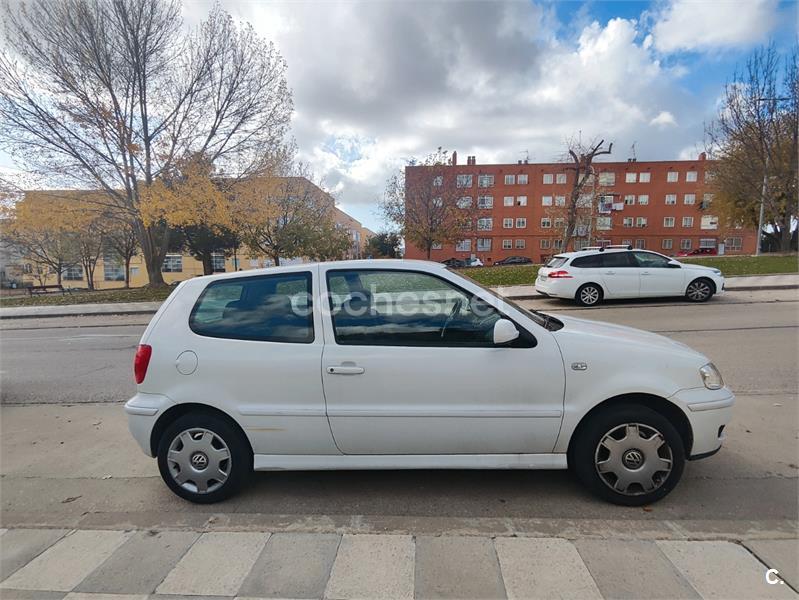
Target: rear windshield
556,261
587,262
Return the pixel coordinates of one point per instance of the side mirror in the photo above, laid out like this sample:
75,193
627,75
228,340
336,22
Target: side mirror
673,264
504,332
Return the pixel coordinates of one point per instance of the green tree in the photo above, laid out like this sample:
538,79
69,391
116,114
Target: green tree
385,244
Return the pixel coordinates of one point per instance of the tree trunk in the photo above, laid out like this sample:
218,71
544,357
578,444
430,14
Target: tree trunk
58,273
785,234
153,241
127,272
208,265
429,250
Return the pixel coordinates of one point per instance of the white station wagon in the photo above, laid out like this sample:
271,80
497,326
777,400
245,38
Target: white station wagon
593,274
389,364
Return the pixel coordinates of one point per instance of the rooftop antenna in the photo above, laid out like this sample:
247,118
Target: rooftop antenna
632,151
526,155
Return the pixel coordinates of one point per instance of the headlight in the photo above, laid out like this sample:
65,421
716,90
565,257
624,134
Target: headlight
711,377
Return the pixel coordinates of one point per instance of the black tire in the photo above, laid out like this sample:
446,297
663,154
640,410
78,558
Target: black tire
222,434
586,453
589,294
700,290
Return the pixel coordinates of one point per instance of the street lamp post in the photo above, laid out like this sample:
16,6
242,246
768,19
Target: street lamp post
763,187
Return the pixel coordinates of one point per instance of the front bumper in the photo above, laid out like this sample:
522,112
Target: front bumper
143,411
708,412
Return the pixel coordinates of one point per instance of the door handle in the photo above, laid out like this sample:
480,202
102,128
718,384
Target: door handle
645,273
610,272
345,370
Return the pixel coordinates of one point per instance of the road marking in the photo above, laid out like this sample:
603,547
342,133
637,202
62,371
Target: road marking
216,564
373,566
65,564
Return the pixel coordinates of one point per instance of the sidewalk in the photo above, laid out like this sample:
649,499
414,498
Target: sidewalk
73,564
517,292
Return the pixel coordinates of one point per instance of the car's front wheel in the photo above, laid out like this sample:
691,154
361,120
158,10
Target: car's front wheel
699,290
203,458
629,455
589,294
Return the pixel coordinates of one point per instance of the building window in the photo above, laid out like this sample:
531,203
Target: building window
544,244
485,181
607,178
507,223
521,223
668,221
483,244
548,178
630,177
640,244
436,246
546,222
644,177
73,273
438,202
690,176
709,222
112,267
510,179
603,223
438,180
671,198
557,244
629,199
626,242
666,244
687,221
507,201
627,222
689,199
485,224
546,201
560,178
464,181
521,179
559,223
467,225
520,244
707,200
560,200
463,246
685,244
507,244
173,263
521,200
643,199
485,201
218,262
733,243
640,221
672,176
465,202
707,243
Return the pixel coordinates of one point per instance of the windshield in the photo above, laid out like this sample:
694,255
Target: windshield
540,318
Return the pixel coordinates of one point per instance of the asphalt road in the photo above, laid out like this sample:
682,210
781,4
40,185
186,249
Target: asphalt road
67,458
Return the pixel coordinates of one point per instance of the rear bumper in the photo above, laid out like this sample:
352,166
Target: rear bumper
143,411
557,288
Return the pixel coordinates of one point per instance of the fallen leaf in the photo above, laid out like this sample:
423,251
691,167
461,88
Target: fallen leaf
70,499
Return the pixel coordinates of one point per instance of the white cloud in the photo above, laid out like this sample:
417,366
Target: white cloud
691,25
664,119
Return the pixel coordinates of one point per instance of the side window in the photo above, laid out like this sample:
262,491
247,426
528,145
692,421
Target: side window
270,308
407,308
648,260
587,262
617,260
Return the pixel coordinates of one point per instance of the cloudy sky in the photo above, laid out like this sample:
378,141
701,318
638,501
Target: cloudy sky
377,82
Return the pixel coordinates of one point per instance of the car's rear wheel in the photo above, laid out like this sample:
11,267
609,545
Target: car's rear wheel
699,290
629,455
589,294
203,458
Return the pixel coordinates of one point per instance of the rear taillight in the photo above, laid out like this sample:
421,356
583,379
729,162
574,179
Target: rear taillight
559,275
141,361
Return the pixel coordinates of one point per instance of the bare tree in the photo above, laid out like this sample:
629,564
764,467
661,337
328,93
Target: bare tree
754,140
112,94
428,204
121,239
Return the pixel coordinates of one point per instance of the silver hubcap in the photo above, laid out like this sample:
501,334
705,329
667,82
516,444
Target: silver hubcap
698,290
589,295
199,460
633,459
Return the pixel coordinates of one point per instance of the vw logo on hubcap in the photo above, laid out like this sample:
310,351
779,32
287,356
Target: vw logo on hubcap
199,461
633,459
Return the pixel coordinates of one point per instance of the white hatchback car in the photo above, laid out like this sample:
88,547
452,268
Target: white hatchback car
593,274
390,364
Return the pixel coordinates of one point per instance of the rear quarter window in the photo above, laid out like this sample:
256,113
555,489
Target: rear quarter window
556,261
268,308
587,262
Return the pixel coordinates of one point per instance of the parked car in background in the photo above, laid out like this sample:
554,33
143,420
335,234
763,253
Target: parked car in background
514,260
390,364
474,262
595,274
699,252
454,263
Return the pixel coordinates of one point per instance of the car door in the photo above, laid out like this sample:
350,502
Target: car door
657,278
620,274
409,367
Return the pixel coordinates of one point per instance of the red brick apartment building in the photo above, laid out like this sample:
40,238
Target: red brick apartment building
665,206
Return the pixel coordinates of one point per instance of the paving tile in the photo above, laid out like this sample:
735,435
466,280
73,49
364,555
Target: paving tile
85,596
723,570
782,555
217,563
457,567
292,565
544,568
20,546
31,595
372,566
154,556
632,569
67,562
